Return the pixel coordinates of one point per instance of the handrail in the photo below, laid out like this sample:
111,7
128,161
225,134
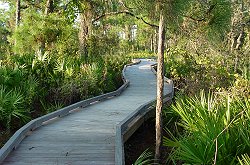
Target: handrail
132,122
169,81
20,134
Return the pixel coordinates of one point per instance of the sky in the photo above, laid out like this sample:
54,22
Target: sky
3,5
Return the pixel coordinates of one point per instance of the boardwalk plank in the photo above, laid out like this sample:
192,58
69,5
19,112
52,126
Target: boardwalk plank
87,136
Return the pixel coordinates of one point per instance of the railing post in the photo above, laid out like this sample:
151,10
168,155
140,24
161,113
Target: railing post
119,147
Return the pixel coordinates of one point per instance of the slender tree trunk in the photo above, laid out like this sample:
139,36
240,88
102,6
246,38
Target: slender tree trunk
239,40
18,15
152,43
48,9
240,36
128,32
84,31
155,41
160,87
232,42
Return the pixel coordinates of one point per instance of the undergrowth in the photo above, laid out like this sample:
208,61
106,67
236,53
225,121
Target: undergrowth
34,85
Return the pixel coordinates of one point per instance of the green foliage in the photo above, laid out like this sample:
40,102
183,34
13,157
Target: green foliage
240,87
244,160
11,107
181,6
4,32
214,126
46,72
179,63
15,78
197,19
146,158
37,29
99,45
142,54
219,19
142,7
51,81
192,72
51,107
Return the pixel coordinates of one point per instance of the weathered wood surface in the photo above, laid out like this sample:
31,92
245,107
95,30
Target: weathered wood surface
135,119
87,136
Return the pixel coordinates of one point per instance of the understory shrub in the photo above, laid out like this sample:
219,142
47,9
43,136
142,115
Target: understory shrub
33,85
11,107
215,130
191,72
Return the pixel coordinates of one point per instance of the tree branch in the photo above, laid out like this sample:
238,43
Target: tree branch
194,19
125,6
208,12
124,12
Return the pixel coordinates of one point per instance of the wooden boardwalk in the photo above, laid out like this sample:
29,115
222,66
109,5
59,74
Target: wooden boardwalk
87,136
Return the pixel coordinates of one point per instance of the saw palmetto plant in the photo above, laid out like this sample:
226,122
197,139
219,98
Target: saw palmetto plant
216,131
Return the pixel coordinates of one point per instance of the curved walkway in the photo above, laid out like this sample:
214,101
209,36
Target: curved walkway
87,137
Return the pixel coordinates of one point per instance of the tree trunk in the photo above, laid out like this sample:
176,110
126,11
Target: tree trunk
18,16
84,31
155,41
49,8
152,43
239,40
128,32
160,87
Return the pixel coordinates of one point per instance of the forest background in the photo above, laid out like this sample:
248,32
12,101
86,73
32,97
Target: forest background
56,52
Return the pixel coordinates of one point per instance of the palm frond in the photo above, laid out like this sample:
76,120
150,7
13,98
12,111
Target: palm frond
244,160
146,158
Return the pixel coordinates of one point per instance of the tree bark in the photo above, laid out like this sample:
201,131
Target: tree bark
18,13
49,8
239,40
84,31
128,32
160,87
155,40
18,16
152,43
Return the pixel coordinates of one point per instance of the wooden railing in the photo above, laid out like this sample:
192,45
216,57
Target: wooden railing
15,140
131,123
